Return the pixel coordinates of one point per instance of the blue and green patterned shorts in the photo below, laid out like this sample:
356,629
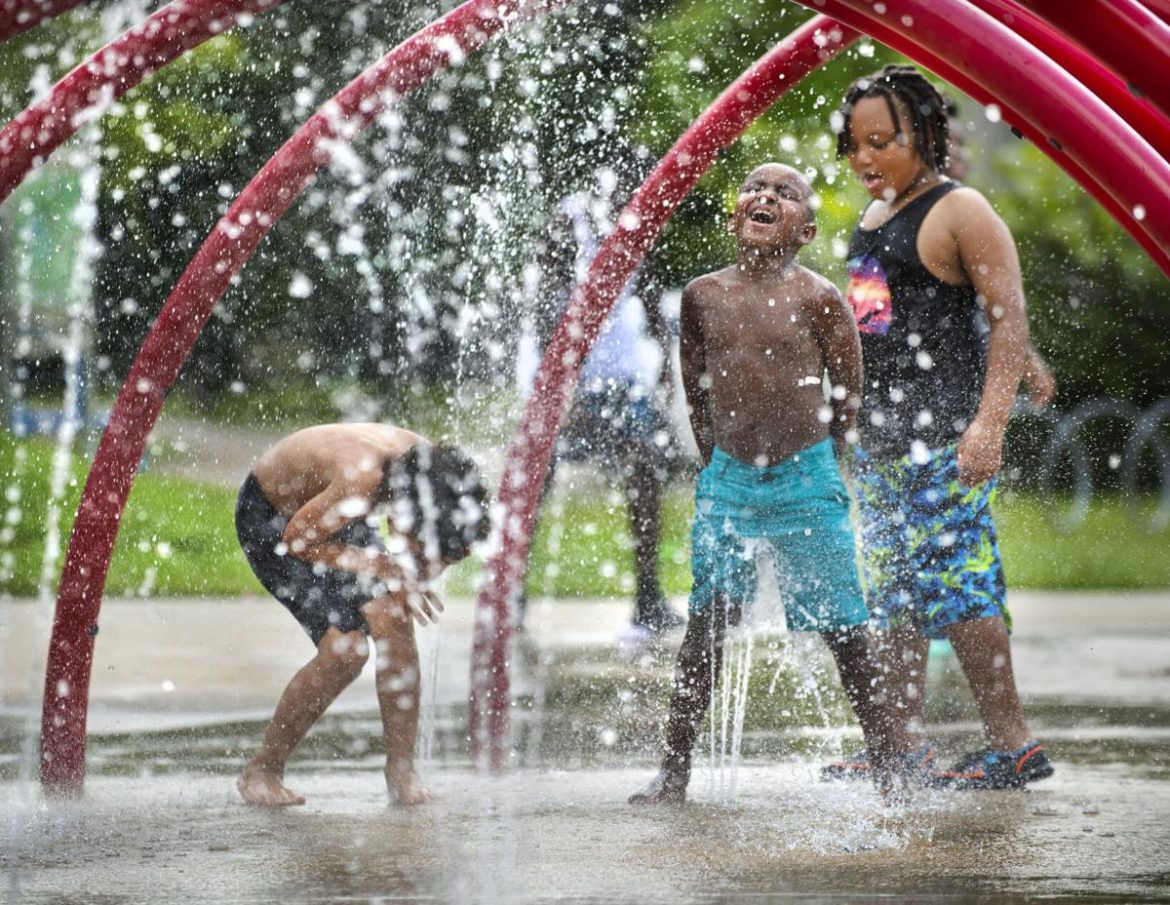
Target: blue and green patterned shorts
928,547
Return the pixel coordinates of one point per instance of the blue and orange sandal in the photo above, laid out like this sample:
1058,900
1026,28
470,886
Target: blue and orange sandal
987,769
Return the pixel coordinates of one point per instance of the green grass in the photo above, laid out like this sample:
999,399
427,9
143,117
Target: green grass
433,411
177,539
1108,549
583,546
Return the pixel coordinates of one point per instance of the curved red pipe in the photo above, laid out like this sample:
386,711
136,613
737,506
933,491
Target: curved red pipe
1102,81
18,16
807,48
166,347
881,32
108,74
1160,8
1126,36
1098,149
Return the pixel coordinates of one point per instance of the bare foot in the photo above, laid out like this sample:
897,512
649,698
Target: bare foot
406,788
264,787
668,787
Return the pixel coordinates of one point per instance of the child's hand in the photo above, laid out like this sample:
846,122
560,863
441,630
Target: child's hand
1039,380
980,454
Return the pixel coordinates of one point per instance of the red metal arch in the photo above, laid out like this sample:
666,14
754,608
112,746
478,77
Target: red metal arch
1160,8
1127,37
1102,81
108,74
807,48
1098,148
17,16
994,65
721,123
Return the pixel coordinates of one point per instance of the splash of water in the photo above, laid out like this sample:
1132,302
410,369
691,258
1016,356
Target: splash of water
83,159
725,733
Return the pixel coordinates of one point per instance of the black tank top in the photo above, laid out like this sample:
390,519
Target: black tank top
923,341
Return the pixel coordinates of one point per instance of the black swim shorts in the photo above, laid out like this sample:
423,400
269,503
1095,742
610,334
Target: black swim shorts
317,596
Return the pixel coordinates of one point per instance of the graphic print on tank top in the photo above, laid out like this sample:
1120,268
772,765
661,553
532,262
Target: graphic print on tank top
869,295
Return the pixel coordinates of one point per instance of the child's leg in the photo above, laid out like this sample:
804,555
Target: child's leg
984,651
696,672
700,659
866,687
644,499
392,631
340,658
901,653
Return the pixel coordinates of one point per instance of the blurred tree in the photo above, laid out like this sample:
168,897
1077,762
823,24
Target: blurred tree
405,259
1100,308
179,149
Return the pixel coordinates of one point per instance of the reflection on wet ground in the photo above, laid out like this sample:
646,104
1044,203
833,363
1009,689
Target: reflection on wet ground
550,835
160,821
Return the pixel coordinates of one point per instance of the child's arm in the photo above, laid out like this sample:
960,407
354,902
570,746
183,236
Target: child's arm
696,382
323,516
989,258
309,536
836,333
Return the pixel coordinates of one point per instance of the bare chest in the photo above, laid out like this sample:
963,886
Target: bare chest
759,329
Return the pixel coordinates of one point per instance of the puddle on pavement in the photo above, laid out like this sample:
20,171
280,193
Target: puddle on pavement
161,822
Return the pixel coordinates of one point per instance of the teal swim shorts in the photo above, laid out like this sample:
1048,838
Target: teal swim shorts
796,510
930,556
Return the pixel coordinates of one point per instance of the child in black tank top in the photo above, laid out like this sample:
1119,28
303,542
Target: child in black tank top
928,258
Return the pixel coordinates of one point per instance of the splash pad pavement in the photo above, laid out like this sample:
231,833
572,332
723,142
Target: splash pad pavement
182,688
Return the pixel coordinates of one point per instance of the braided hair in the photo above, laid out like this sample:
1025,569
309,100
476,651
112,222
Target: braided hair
926,107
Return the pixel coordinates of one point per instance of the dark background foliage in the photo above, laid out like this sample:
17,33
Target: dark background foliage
404,263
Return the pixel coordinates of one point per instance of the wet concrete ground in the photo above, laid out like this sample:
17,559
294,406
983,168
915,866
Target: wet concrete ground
181,690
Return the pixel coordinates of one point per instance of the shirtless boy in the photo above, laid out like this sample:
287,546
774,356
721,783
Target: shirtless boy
757,338
305,520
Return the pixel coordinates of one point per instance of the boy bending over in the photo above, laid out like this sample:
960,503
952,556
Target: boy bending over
757,338
305,521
